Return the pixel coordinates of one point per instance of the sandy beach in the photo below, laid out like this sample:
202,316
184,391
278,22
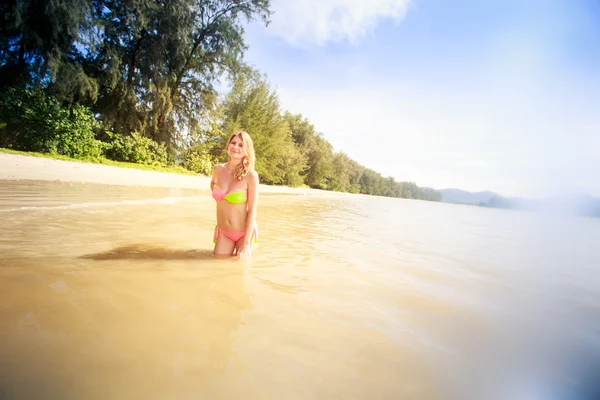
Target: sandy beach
19,167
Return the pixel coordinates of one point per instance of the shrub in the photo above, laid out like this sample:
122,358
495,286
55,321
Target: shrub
75,138
135,149
198,159
34,121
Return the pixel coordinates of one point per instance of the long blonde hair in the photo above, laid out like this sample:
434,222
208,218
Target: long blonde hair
247,163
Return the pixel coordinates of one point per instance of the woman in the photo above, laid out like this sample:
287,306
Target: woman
234,186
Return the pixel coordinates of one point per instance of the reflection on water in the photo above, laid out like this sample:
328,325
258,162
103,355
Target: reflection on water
112,293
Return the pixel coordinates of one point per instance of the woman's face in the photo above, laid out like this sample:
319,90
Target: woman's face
236,148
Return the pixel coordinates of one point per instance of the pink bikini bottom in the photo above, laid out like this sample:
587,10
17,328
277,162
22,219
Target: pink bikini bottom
234,236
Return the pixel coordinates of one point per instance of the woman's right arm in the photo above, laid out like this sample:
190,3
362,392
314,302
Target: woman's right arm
213,181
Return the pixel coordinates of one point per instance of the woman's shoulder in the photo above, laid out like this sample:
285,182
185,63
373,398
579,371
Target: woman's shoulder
253,175
251,178
219,167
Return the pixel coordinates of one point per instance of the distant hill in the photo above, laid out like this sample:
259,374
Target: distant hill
583,205
464,197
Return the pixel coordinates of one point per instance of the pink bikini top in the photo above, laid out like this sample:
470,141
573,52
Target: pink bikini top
238,197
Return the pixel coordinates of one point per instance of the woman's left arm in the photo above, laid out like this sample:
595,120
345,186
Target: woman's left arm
251,218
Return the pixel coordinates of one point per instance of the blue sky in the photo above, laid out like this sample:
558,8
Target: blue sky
500,95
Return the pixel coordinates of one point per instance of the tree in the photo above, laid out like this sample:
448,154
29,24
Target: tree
254,107
160,59
38,45
317,150
370,182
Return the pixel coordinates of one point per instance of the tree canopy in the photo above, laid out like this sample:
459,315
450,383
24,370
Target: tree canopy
136,80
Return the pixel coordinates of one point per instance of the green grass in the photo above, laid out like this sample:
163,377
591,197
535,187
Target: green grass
104,161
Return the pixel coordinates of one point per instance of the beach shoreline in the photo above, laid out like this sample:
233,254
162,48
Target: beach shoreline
23,167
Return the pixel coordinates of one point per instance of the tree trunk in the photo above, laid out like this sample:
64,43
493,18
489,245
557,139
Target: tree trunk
134,58
21,62
181,73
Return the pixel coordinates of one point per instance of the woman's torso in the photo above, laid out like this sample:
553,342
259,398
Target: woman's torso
231,196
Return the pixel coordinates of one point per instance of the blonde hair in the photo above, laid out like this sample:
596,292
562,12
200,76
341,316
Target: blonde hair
247,163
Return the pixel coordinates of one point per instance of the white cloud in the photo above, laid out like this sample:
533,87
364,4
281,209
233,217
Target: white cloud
323,21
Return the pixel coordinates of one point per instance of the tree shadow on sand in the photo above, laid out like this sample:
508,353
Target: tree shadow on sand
142,252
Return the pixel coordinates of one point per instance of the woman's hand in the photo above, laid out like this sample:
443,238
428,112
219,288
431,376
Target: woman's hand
245,251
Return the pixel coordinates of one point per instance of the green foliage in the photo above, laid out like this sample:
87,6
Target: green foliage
136,149
198,159
144,66
74,135
370,182
72,84
431,195
37,41
34,121
317,150
31,119
254,107
208,137
339,180
158,60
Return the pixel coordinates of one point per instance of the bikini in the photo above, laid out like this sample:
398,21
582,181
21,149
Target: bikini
238,197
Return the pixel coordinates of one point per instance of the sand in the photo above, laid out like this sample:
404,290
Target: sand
20,167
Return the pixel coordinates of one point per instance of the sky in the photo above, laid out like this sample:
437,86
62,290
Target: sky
500,95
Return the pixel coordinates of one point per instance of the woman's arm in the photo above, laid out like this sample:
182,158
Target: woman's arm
253,182
213,181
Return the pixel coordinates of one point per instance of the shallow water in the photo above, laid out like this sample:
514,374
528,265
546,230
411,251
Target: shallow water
112,292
